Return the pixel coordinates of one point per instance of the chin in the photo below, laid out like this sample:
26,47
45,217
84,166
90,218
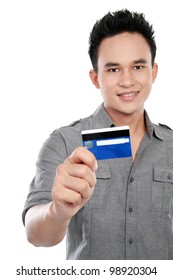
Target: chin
124,110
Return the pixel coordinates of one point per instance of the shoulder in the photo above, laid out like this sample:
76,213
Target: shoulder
165,131
164,126
76,126
69,136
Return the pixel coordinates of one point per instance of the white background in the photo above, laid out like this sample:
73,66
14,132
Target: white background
44,84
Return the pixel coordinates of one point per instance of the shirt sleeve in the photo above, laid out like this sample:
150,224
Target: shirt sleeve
52,153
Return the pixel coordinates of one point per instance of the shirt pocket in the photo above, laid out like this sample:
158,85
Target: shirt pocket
101,195
162,188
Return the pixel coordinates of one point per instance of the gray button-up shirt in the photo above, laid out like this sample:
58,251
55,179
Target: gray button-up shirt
130,215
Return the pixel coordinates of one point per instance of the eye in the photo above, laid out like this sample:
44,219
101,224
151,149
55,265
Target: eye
138,67
113,70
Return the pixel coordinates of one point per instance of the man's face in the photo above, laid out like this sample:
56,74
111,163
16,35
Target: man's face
125,72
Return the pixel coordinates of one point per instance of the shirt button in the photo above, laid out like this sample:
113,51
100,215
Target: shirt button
130,241
169,176
131,179
130,209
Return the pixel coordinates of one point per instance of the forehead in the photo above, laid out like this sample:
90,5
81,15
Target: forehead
124,46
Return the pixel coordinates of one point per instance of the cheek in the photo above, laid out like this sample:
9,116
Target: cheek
146,91
146,82
107,85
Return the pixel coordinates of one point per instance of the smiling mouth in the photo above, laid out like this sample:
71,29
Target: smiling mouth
128,96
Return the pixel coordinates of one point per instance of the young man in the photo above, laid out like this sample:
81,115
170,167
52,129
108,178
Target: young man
109,209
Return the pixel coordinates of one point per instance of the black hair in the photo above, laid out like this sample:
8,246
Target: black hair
115,23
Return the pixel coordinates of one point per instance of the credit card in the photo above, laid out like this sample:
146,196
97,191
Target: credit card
108,143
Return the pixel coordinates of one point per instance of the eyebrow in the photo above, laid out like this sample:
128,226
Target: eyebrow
141,60
115,64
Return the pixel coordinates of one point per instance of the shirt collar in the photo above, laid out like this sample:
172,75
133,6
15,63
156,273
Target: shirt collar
101,119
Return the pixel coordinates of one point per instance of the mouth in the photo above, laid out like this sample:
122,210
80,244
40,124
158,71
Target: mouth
128,96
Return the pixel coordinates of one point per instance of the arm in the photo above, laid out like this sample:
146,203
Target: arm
73,186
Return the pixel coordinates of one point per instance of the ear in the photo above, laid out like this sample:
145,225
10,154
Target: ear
155,71
94,78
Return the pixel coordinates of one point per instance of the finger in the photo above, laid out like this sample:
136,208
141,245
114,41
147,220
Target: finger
75,170
82,155
82,171
78,185
70,177
68,196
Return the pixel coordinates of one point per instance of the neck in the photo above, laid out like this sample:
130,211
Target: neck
135,121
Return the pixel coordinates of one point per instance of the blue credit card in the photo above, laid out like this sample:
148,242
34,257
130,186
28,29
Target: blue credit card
108,143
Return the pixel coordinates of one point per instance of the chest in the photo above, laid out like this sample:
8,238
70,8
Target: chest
136,142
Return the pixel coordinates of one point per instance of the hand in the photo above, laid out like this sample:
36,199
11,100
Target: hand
74,183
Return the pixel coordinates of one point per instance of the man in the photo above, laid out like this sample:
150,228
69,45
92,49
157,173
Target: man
109,209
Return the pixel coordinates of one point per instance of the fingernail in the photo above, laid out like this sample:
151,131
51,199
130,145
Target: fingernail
95,166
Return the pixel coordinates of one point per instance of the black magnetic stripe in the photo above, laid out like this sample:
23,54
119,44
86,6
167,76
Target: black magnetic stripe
105,135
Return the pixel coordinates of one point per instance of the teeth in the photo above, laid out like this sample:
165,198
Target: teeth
128,94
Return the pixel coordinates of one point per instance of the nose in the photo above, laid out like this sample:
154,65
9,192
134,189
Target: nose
126,79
